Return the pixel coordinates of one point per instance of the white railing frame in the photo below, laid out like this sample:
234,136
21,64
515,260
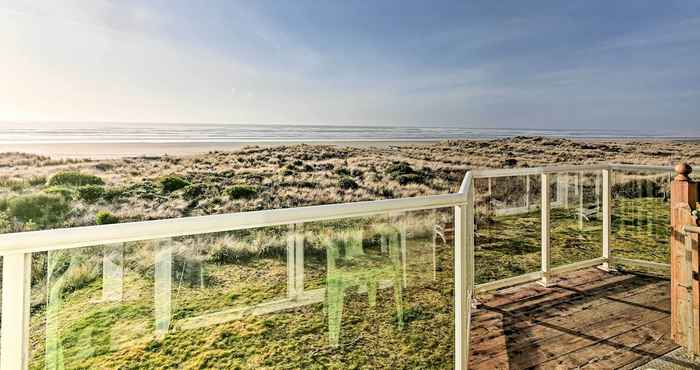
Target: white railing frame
16,248
605,261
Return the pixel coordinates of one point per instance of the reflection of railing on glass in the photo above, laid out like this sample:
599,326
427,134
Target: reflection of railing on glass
349,265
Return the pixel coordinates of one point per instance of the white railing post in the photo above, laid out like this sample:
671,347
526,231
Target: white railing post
546,252
464,277
16,288
607,218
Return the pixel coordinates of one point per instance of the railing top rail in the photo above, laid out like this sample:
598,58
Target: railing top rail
635,167
691,229
39,241
524,171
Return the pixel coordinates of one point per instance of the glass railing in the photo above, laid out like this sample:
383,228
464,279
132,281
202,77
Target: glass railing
641,214
380,284
508,226
370,292
584,216
576,216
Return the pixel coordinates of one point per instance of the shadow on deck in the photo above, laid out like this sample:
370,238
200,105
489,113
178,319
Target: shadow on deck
589,319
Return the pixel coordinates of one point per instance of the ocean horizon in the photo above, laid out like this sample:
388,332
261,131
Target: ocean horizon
117,133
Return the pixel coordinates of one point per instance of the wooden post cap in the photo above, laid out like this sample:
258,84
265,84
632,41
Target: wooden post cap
683,170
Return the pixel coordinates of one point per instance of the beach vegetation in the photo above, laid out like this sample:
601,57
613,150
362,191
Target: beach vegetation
104,217
64,191
15,185
347,183
90,193
193,191
113,193
241,191
74,178
172,183
46,210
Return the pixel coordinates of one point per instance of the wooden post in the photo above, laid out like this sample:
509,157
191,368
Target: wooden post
684,198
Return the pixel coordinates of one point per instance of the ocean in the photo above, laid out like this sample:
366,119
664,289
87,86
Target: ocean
67,133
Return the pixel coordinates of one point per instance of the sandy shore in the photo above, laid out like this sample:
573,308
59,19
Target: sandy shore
120,150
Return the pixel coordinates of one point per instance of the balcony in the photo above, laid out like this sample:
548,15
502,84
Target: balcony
564,266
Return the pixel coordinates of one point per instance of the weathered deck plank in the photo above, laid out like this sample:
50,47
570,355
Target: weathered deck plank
591,319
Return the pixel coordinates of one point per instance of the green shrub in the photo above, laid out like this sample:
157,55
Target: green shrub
289,170
241,191
74,178
43,209
5,223
110,194
90,193
400,168
105,218
347,183
66,193
37,180
410,179
342,171
193,191
172,183
405,174
13,184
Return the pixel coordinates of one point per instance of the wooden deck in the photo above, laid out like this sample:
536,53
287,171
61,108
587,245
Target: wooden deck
589,319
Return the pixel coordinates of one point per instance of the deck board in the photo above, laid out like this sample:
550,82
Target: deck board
590,319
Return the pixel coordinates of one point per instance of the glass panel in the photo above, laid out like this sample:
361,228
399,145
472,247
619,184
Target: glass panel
508,226
576,217
374,292
1,263
641,215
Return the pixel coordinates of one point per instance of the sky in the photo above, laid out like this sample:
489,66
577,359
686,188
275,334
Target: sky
585,64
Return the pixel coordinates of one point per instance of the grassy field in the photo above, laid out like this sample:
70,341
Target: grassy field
222,301
359,312
371,312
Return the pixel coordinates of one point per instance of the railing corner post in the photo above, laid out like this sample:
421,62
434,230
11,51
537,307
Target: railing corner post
463,277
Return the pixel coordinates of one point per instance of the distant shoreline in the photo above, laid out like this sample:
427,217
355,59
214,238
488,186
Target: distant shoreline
121,150
109,150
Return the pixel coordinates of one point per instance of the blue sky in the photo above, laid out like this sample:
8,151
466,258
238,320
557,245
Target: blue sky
521,64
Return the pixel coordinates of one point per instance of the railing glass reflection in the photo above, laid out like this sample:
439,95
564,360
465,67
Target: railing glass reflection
361,292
